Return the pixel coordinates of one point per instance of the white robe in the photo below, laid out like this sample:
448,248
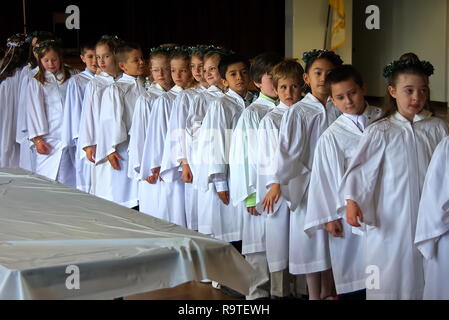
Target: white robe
432,237
9,148
276,230
301,127
215,218
243,172
171,200
115,117
334,151
44,118
89,119
148,193
385,178
27,156
71,123
175,151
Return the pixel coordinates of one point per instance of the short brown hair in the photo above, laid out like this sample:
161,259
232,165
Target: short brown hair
289,68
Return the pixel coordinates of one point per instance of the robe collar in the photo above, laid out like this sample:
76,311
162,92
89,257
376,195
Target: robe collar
283,107
265,102
53,77
89,73
244,102
313,101
423,115
176,89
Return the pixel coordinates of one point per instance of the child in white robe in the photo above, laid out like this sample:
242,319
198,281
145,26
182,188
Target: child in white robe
27,155
174,156
107,73
73,107
171,203
218,216
432,238
159,64
333,152
10,70
383,182
46,97
301,127
116,112
243,172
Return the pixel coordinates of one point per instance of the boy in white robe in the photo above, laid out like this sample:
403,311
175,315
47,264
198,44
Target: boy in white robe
73,107
243,173
221,219
333,153
301,127
432,238
383,182
116,112
159,62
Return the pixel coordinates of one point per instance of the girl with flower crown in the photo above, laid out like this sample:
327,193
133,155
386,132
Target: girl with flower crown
300,129
45,99
10,70
383,183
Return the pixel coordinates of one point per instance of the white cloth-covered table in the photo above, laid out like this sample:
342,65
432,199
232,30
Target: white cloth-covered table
46,227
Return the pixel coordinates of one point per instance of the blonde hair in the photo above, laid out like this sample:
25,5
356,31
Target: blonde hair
287,69
40,75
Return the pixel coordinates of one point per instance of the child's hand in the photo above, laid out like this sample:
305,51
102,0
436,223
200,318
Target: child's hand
252,211
114,159
90,153
187,175
224,197
352,213
155,176
271,198
335,228
42,147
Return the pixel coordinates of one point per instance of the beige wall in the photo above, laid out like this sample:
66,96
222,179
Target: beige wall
406,25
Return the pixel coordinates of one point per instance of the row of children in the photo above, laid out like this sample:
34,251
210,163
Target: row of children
277,171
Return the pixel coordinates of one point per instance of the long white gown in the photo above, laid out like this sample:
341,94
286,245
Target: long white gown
385,178
214,218
171,199
334,151
148,193
27,156
243,172
175,151
90,114
115,117
71,124
432,237
9,148
44,118
276,231
301,127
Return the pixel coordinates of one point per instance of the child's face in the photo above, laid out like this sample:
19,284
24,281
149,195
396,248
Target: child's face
180,72
197,67
316,77
411,93
105,59
90,60
348,97
237,78
51,61
289,90
211,73
266,86
161,72
134,65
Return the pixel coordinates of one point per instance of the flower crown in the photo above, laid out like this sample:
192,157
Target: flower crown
38,34
165,49
107,37
318,53
16,40
209,48
46,45
425,66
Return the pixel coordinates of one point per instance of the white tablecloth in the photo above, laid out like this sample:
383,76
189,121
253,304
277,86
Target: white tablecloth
45,227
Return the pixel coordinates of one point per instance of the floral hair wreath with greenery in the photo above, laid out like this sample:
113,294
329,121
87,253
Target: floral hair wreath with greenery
38,34
166,49
209,49
318,53
16,40
106,37
47,44
425,66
